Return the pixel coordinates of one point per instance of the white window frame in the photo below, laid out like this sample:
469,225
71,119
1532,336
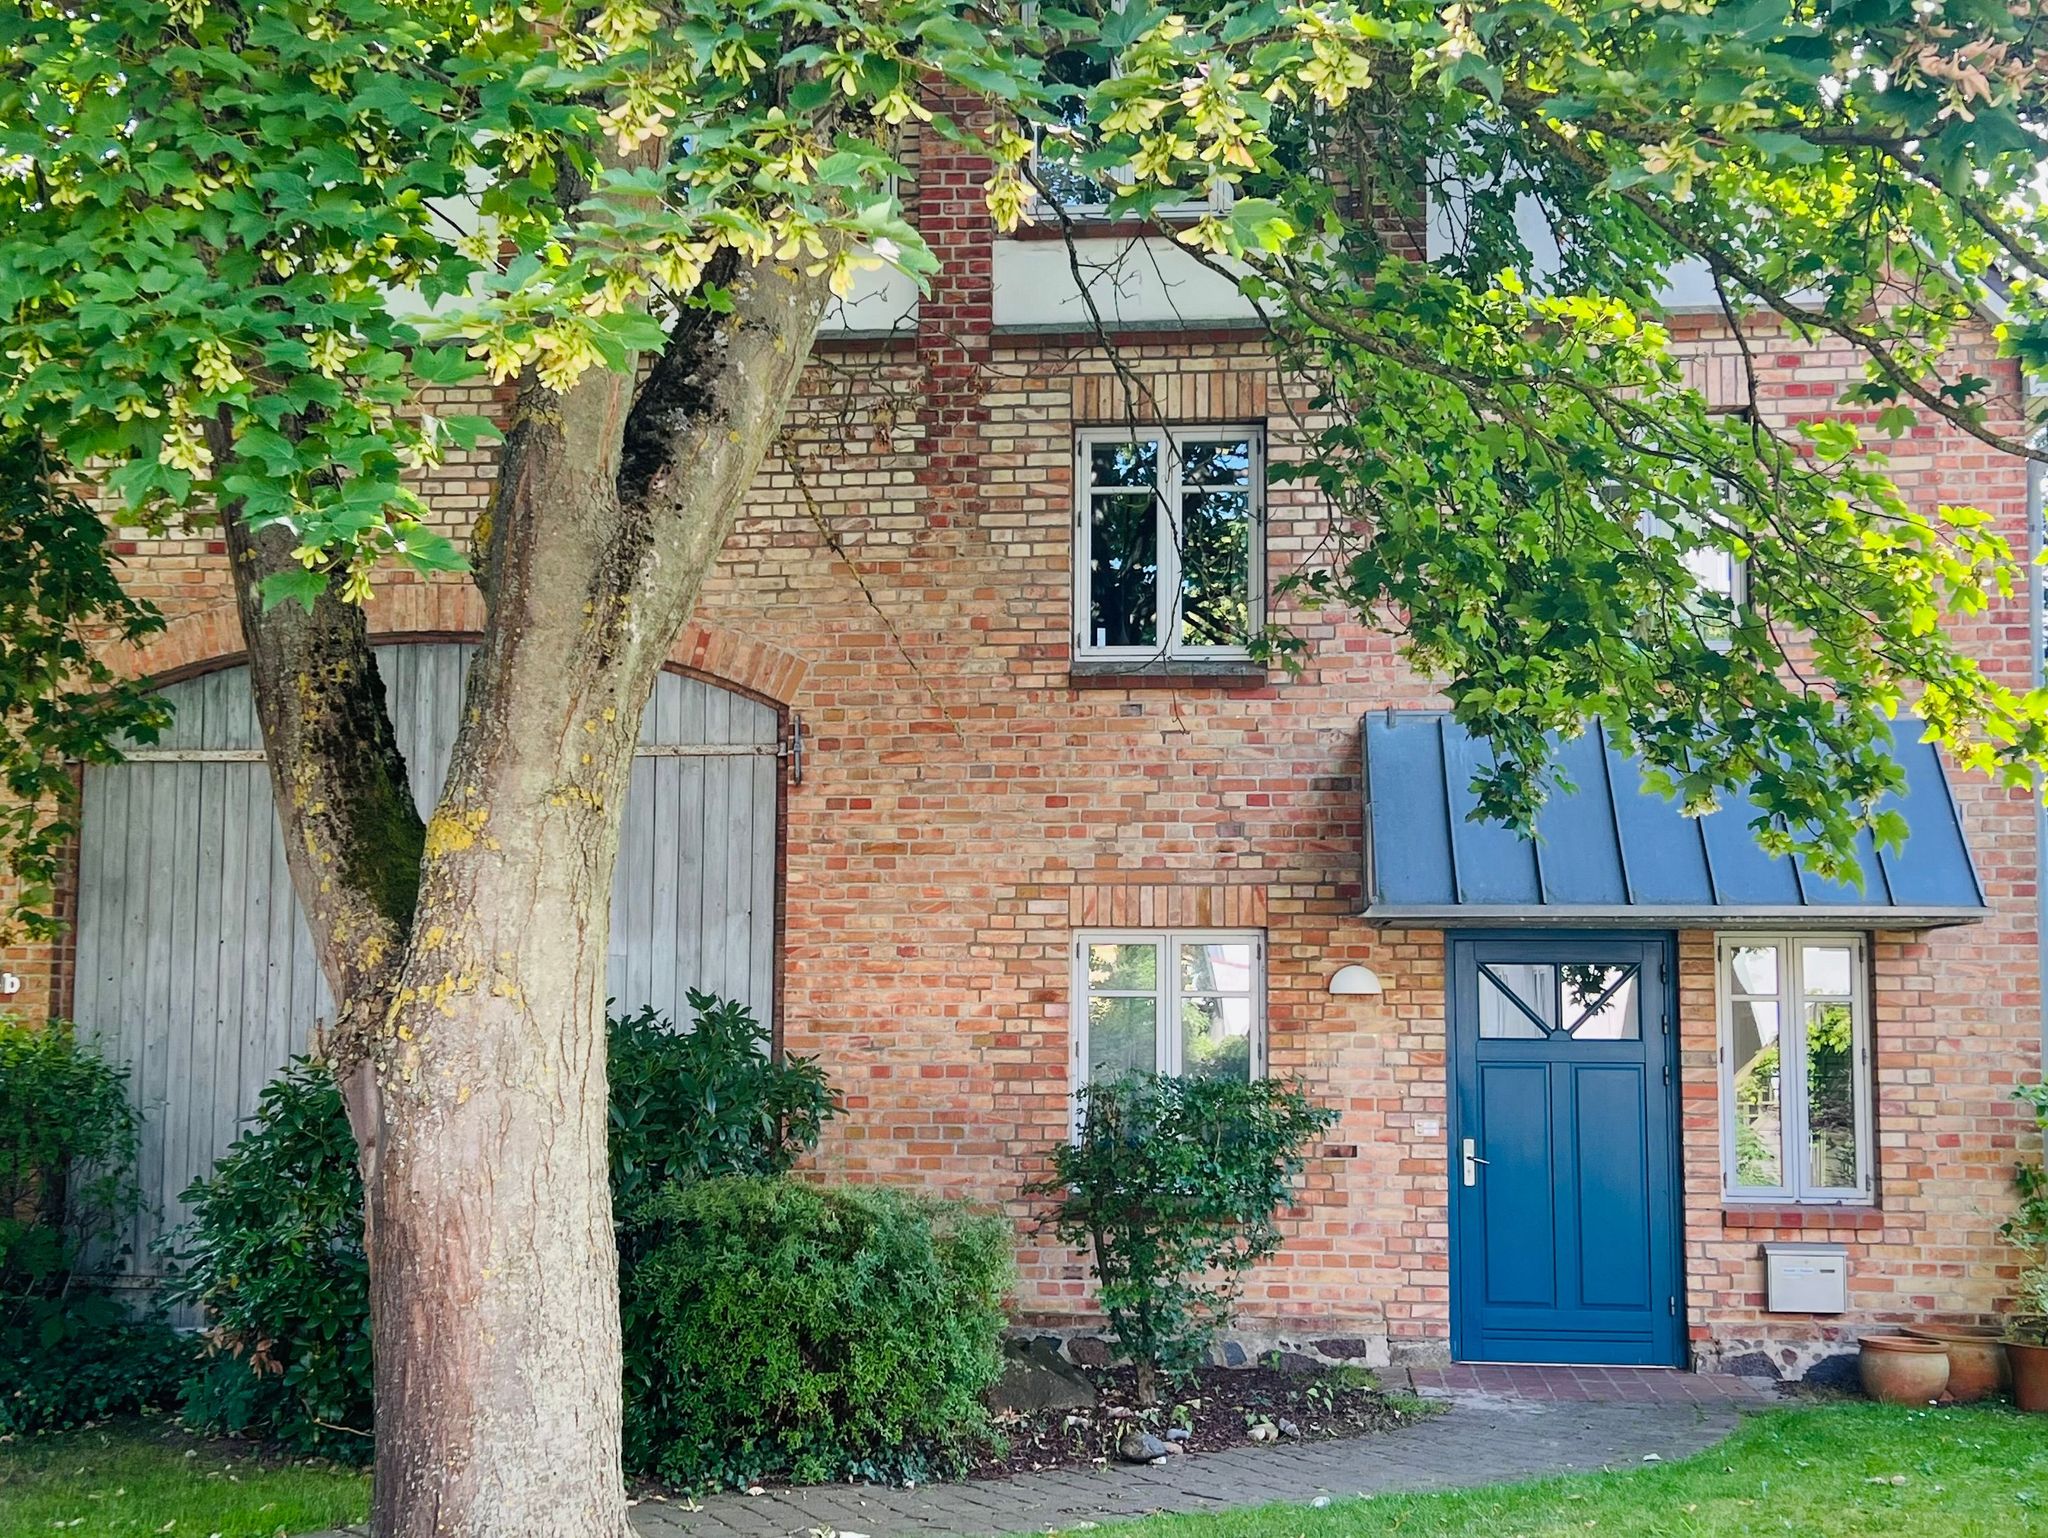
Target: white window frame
1654,525
1168,1042
1791,999
1166,515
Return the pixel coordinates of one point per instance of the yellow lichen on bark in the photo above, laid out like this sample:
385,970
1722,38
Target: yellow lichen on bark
450,832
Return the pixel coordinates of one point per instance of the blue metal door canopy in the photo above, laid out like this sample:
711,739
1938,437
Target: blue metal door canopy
1613,852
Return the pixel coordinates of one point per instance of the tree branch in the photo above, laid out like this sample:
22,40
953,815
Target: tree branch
352,834
1725,265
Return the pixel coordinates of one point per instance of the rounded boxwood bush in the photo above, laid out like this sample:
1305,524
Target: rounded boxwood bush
775,1328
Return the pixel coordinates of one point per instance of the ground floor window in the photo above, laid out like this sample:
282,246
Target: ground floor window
1795,1068
1169,1001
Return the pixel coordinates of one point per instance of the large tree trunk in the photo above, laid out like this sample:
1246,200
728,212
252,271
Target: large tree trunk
478,1091
494,1276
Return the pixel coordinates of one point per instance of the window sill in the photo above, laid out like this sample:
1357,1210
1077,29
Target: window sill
1097,224
1806,1217
1165,673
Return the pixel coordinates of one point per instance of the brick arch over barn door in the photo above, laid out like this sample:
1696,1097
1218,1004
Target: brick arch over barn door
210,638
194,964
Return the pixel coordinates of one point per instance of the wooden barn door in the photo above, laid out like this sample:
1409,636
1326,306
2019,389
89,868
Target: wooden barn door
195,967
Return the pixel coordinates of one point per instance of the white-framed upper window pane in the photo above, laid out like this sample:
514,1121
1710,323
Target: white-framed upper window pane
1172,1002
1124,464
1715,570
1827,971
1170,548
1795,1068
1217,966
1755,969
1123,966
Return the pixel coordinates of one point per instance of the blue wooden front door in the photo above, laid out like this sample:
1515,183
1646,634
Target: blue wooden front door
1564,1212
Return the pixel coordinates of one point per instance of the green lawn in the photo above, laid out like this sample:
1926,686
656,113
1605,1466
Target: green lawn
1841,1471
1829,1472
143,1478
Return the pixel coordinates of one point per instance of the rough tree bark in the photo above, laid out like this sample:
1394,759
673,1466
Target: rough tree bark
469,955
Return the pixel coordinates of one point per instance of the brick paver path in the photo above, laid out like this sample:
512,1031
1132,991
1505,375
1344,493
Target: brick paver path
1504,1423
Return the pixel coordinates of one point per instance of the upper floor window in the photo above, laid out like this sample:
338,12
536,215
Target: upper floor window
1068,188
1173,1001
1169,528
1715,571
1795,1068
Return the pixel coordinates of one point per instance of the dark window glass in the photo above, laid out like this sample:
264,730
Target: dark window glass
1215,536
1215,572
1063,181
1123,576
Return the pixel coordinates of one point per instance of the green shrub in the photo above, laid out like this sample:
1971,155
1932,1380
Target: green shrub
83,1357
709,1101
68,1353
777,1328
1173,1185
274,1255
67,1154
274,1250
2027,1230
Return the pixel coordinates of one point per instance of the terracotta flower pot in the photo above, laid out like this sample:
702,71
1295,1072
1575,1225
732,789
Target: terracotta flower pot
1898,1369
1977,1366
2029,1375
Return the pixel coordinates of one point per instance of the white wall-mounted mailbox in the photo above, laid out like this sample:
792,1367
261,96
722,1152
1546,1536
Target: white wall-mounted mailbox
1806,1278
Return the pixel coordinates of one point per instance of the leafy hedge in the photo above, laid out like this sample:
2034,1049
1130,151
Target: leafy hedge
274,1250
781,1329
68,1353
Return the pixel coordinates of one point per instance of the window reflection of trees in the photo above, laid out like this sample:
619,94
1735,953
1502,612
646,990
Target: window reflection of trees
1830,1095
1062,179
1124,543
1188,523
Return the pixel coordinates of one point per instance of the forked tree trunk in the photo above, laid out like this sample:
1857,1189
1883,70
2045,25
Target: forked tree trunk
473,1047
494,1275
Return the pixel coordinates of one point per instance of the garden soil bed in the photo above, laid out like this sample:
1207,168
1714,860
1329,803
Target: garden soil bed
1219,1408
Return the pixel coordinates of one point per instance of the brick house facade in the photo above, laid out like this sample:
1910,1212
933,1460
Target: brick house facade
971,799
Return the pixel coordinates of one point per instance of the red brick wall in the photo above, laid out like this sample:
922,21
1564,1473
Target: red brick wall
901,579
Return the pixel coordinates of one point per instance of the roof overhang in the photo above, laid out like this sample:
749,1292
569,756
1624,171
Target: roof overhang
1614,854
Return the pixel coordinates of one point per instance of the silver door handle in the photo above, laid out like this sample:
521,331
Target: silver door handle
1472,1162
